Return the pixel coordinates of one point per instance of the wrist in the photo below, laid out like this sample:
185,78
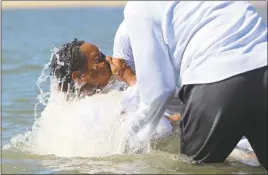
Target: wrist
125,74
129,77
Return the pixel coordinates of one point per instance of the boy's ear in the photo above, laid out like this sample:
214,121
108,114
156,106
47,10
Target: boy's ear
76,74
79,77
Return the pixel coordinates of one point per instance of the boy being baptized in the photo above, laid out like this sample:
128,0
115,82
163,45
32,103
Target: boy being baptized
81,68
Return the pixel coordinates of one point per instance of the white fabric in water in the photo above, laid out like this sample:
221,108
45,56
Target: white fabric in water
244,153
130,103
244,144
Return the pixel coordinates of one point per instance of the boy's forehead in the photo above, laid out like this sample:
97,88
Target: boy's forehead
89,49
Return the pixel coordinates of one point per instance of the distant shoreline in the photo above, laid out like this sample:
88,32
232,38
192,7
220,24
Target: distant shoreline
59,4
64,4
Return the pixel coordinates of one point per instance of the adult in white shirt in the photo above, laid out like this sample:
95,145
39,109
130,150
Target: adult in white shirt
216,52
122,50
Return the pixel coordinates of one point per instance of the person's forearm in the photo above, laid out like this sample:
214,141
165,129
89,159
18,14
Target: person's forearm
153,68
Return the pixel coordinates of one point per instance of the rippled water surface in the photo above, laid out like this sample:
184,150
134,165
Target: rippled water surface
27,39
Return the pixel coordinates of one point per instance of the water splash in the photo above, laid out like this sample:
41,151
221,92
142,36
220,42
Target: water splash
43,95
89,127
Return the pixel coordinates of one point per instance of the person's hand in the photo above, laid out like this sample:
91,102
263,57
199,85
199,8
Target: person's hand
174,117
118,66
121,70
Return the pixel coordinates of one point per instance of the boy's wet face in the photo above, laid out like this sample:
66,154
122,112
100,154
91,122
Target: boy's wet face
99,71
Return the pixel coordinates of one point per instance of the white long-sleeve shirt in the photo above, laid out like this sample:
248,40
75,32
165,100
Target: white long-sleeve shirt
189,42
122,49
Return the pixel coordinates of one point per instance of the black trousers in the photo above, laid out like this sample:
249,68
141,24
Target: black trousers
217,115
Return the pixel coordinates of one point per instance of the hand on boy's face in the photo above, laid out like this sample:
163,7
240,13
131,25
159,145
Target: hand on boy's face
116,64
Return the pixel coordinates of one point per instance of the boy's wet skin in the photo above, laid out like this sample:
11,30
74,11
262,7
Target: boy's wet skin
98,71
82,66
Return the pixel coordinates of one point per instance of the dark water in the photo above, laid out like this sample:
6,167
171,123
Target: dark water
27,38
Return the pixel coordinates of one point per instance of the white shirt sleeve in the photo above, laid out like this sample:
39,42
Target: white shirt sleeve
154,71
122,48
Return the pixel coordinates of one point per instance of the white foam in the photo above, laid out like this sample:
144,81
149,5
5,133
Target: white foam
86,128
90,127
